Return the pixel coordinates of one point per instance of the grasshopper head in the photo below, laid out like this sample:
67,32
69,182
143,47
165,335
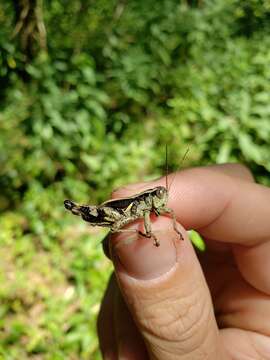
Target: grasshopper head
160,197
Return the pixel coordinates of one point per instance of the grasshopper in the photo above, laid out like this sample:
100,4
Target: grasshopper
117,213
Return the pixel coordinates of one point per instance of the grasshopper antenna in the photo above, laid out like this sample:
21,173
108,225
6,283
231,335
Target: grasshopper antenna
167,168
181,162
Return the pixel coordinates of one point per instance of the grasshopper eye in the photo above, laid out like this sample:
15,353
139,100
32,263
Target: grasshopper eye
160,192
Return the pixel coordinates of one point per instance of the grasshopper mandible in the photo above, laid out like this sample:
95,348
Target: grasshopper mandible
117,213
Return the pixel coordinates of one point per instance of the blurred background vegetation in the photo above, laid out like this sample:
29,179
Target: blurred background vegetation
90,93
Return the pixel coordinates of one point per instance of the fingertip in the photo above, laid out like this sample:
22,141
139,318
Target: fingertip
139,257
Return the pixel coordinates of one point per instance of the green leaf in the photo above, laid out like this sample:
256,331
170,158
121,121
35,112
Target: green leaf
197,240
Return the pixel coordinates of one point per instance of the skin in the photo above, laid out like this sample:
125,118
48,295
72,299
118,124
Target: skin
171,303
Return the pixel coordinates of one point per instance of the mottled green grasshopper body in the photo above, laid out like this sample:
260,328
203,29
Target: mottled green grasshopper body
117,213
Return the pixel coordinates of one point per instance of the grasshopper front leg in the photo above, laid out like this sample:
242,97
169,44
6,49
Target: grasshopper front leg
148,229
171,212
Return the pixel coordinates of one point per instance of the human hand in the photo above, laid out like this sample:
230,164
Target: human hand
169,303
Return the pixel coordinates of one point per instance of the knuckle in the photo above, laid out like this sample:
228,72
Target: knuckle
185,321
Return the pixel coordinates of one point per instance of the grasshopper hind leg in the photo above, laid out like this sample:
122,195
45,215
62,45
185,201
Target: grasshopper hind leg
147,226
147,235
150,235
148,230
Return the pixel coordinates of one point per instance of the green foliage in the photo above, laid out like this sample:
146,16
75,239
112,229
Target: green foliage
93,111
197,240
50,292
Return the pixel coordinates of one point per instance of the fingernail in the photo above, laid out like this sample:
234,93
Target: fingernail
137,255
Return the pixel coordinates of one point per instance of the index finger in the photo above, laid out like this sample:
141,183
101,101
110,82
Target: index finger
225,205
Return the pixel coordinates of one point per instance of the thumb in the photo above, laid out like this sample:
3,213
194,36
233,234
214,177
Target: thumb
166,293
